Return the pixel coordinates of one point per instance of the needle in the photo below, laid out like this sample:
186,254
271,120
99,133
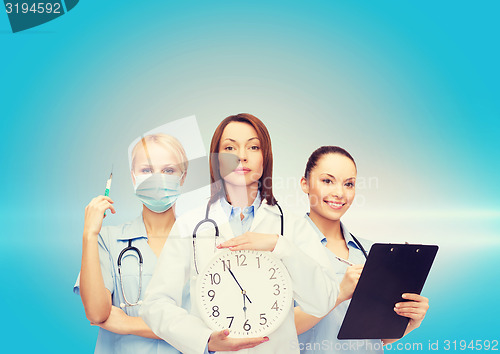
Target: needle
108,185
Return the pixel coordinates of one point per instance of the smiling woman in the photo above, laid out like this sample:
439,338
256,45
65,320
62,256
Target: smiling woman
330,181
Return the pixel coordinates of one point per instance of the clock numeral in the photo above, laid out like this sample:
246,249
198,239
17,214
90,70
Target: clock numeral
239,257
273,270
258,261
277,291
215,278
230,322
262,318
228,265
211,293
215,311
247,326
275,306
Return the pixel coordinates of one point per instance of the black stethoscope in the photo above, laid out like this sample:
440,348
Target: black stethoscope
212,221
136,250
360,246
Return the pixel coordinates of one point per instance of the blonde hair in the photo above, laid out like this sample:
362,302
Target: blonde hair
168,142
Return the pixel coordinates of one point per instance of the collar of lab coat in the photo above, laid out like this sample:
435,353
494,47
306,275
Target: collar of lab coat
226,233
262,211
133,230
349,240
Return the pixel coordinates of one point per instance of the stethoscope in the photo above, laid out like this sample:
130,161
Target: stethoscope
360,246
136,250
212,221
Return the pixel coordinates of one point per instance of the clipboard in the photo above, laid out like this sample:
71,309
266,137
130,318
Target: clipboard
389,271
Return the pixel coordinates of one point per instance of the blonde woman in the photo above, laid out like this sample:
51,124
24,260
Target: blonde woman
112,295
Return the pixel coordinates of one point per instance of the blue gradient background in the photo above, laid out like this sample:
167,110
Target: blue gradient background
409,88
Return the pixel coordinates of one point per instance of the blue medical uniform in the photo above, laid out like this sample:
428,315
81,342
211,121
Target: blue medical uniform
322,338
112,240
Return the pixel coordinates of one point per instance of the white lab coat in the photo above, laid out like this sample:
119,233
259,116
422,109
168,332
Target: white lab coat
314,286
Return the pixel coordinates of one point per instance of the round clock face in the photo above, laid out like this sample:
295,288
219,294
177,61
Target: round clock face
247,292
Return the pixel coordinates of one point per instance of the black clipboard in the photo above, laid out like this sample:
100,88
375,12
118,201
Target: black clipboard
389,271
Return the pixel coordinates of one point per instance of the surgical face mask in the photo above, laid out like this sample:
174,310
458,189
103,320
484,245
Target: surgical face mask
157,191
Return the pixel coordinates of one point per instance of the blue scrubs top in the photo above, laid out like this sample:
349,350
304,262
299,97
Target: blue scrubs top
112,240
322,338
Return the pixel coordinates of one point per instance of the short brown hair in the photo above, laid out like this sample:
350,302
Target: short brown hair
217,188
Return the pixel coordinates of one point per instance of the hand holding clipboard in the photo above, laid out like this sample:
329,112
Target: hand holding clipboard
390,271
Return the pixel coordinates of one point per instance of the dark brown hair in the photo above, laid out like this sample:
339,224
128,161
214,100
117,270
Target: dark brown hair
320,152
217,188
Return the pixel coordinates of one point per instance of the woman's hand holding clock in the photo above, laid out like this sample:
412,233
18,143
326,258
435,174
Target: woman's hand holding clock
219,341
262,281
251,241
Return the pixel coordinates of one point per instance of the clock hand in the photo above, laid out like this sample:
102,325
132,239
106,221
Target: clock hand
242,291
244,303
